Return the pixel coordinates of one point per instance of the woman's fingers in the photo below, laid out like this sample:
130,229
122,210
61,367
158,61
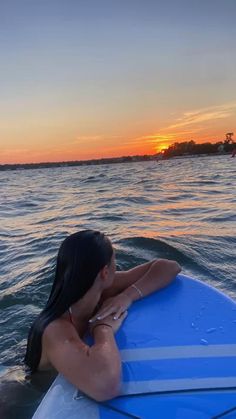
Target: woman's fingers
115,311
124,315
103,313
118,313
113,306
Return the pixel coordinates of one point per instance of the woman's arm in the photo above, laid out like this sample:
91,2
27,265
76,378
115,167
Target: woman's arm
136,283
162,271
94,370
123,279
160,274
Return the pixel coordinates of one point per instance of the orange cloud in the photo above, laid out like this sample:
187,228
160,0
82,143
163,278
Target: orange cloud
204,115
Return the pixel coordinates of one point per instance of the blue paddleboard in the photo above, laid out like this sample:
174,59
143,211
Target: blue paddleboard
178,350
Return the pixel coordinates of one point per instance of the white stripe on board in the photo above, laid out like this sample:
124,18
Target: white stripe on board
151,386
178,352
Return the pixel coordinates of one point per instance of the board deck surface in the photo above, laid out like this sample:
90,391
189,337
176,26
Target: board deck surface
178,350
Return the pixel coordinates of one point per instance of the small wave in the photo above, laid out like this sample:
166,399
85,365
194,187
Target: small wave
159,248
179,197
108,217
59,218
94,179
25,204
138,200
221,218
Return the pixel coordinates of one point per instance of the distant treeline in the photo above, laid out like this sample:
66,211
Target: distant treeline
47,165
192,148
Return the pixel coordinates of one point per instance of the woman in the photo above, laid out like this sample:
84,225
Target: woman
88,293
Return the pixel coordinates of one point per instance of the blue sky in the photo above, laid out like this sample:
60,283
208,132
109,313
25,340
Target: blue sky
93,78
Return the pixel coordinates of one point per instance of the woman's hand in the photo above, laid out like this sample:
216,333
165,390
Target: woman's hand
113,307
109,321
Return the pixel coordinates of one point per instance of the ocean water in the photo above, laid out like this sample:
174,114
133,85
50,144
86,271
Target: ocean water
182,209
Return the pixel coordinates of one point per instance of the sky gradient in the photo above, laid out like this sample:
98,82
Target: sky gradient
98,78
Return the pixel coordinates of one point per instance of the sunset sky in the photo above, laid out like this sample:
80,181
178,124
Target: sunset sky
83,79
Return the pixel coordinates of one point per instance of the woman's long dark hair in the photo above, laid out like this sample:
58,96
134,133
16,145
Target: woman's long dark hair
80,258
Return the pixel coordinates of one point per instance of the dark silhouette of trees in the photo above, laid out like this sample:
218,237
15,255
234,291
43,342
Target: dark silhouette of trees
191,148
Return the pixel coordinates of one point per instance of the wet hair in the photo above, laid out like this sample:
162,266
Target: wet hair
80,258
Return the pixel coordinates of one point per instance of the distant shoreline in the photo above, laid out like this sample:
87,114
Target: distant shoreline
47,165
96,162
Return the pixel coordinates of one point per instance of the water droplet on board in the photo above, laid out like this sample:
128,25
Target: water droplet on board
212,329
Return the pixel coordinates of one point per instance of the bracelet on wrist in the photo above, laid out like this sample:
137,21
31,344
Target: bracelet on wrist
138,290
101,324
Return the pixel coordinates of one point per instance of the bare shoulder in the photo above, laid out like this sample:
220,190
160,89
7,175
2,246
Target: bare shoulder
59,331
60,343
